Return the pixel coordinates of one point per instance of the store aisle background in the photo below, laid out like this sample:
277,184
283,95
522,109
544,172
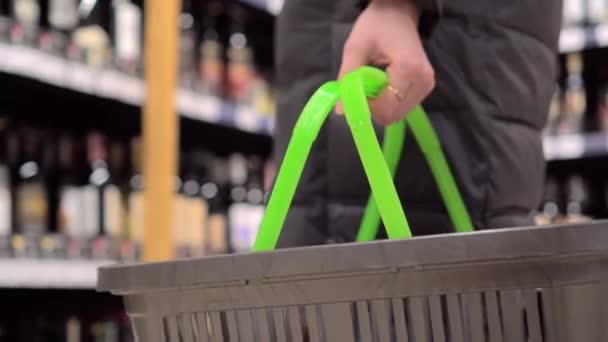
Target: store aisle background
71,150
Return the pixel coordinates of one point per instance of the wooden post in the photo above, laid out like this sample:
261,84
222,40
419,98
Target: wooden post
160,126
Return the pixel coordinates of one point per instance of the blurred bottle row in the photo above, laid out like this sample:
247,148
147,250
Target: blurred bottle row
570,200
114,328
581,12
74,195
215,53
570,111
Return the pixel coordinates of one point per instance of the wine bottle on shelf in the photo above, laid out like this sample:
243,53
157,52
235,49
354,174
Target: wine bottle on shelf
179,219
63,20
14,153
240,72
270,173
104,331
25,29
52,244
117,211
213,189
114,206
187,46
78,201
103,200
198,204
574,97
550,211
262,97
91,38
71,217
97,176
577,195
242,234
73,328
186,190
178,225
32,197
43,40
5,193
5,20
96,331
135,202
109,332
127,32
255,193
211,51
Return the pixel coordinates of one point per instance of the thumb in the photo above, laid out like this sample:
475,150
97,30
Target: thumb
353,56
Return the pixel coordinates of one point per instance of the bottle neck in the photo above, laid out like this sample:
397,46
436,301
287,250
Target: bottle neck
63,14
94,13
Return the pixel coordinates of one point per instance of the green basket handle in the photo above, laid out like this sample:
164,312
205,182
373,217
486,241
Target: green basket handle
379,165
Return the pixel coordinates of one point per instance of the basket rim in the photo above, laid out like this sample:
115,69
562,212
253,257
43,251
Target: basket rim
446,250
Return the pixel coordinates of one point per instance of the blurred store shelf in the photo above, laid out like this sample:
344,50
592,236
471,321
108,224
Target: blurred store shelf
107,83
575,146
32,63
582,37
49,274
112,84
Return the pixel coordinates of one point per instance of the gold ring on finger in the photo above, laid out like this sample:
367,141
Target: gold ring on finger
397,93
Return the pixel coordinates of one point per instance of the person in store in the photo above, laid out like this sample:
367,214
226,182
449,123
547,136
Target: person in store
484,70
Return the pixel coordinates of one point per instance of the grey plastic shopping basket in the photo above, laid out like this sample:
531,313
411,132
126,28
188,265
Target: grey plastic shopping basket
520,285
516,285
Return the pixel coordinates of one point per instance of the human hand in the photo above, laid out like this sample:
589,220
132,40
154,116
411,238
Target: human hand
386,33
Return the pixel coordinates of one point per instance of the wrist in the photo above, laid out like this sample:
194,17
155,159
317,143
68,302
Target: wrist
407,7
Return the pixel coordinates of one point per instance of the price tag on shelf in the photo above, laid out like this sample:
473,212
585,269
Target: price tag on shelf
186,104
209,108
601,35
198,107
22,61
6,62
549,148
81,78
109,84
247,120
565,147
268,126
572,39
51,69
131,90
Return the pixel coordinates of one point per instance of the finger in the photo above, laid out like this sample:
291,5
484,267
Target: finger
354,55
410,83
422,84
383,106
391,99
